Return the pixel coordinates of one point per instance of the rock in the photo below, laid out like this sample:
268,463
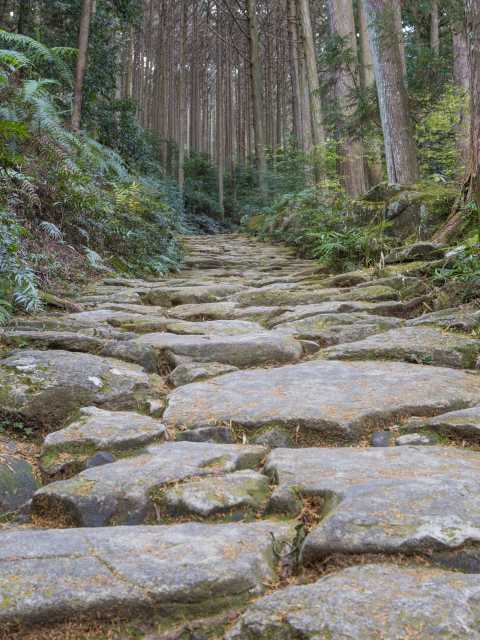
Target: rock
413,344
381,500
417,251
466,318
330,329
96,430
382,439
183,571
53,340
120,493
464,424
17,483
99,459
273,437
42,388
97,316
222,435
192,371
417,439
214,327
174,296
371,601
340,400
205,311
239,351
233,494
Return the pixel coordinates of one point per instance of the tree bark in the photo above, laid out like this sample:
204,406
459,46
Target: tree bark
295,73
435,28
87,9
461,75
182,99
352,153
257,96
399,143
318,133
472,9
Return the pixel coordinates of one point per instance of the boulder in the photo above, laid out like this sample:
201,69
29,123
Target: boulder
417,251
121,492
42,388
465,318
233,495
176,572
339,400
17,483
96,430
381,500
424,345
375,601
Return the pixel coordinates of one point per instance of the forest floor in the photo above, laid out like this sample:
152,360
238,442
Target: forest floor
296,454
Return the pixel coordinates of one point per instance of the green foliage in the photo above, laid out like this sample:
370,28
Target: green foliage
320,223
462,270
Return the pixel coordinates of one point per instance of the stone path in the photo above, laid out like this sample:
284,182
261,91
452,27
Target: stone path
252,448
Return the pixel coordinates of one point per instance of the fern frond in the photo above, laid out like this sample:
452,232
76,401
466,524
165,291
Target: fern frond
13,59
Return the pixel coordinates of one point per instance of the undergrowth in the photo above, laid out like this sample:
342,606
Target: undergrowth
66,197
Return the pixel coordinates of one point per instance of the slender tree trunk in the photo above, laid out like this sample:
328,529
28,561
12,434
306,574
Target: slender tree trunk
87,6
435,28
182,99
257,97
396,6
295,74
352,153
472,9
318,134
400,148
461,75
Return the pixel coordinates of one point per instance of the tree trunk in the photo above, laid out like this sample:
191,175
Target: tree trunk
435,28
295,73
398,35
257,96
400,148
182,99
461,75
352,153
472,9
318,134
87,6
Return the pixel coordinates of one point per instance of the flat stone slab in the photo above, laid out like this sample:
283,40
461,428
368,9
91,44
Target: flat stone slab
53,340
43,388
174,572
173,296
17,483
238,350
424,345
192,371
233,494
330,329
381,500
214,327
205,311
372,602
464,424
121,492
417,251
96,430
340,399
466,318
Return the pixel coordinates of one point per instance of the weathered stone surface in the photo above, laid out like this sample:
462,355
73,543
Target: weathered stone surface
466,318
382,500
382,439
330,329
52,340
173,296
417,251
45,387
192,371
237,350
17,483
186,570
96,316
214,327
97,430
460,424
424,345
233,494
120,493
339,399
205,311
416,439
372,602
